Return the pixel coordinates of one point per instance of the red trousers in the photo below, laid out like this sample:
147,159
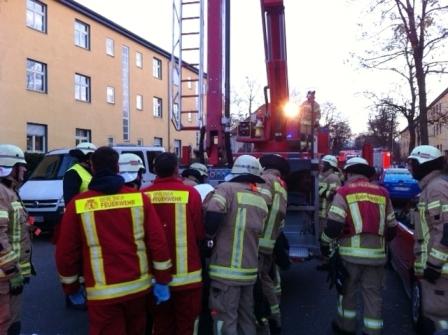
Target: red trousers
124,318
178,315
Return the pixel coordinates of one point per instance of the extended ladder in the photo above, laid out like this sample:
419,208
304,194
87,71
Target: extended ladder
187,91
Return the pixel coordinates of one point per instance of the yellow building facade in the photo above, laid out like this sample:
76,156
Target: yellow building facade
68,75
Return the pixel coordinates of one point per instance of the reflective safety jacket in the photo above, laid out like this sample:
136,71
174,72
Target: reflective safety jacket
116,242
179,207
366,212
277,211
431,230
85,176
15,244
234,258
329,181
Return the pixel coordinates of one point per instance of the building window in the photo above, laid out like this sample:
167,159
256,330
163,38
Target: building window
36,76
110,47
36,137
140,142
139,102
178,148
139,59
110,141
189,84
82,87
36,15
82,34
157,68
110,94
83,135
158,142
157,107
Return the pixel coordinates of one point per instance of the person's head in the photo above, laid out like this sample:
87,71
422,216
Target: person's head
131,169
104,159
197,172
166,165
359,166
423,160
246,164
12,162
311,95
83,151
275,162
328,162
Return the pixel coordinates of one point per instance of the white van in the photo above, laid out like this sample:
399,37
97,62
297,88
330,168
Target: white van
42,193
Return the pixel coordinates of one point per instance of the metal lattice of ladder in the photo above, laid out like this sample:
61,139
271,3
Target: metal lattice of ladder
187,52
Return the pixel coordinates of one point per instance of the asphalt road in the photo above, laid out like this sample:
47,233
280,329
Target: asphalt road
307,305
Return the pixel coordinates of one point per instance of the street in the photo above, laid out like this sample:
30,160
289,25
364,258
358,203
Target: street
307,305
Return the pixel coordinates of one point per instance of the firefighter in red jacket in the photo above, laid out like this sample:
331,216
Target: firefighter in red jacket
113,236
179,207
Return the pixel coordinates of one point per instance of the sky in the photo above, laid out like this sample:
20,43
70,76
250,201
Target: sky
321,35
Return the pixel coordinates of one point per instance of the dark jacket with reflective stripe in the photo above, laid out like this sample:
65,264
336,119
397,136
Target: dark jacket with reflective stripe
431,230
234,258
179,207
117,250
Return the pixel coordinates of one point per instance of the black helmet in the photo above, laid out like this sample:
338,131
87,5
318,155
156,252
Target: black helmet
277,162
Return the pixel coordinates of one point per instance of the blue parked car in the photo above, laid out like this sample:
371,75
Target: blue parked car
400,184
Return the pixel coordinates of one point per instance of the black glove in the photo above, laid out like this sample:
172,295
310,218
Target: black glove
325,250
16,284
431,274
206,247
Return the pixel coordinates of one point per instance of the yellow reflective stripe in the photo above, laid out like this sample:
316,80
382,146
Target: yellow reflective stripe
356,217
124,200
440,255
265,191
233,273
16,228
4,215
275,309
85,176
267,243
322,188
362,252
68,279
434,204
16,205
186,278
219,198
139,238
9,257
373,323
345,313
445,269
25,268
168,197
238,238
180,222
355,241
423,257
248,199
338,211
95,252
443,324
357,197
444,208
165,265
325,238
269,227
102,292
280,189
391,216
382,209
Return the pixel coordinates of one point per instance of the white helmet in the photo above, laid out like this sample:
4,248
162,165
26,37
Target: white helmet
10,155
201,168
330,159
83,149
130,165
355,161
425,153
246,164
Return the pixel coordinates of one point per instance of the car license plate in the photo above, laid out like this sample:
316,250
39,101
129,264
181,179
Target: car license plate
38,218
401,188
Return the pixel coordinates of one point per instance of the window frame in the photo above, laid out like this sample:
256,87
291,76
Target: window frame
83,138
81,86
33,138
139,59
178,148
35,13
112,100
159,112
35,73
157,68
139,102
110,49
158,139
81,35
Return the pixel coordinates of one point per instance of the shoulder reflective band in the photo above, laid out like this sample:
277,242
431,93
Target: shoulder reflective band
219,198
248,199
124,200
434,204
4,215
168,197
356,197
280,189
339,211
437,254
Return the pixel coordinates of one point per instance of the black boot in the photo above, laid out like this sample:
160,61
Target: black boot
338,331
14,329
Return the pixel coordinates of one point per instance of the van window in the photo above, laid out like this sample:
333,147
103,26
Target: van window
138,153
151,155
52,167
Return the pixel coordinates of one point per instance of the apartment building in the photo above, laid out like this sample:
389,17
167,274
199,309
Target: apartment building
437,127
68,74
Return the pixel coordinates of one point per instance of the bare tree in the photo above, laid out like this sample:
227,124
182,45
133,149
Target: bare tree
383,125
245,100
338,127
413,48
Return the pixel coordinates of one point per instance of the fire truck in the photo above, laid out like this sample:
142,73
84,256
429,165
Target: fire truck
276,126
